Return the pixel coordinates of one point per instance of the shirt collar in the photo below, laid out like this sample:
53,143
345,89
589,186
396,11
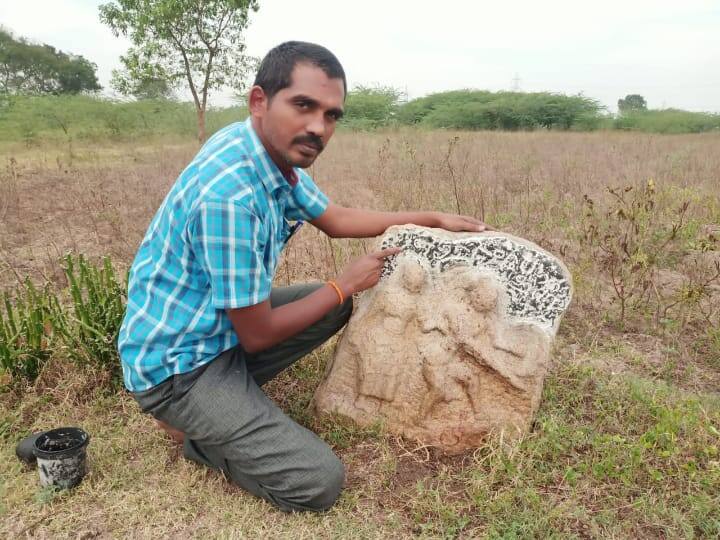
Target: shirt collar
269,173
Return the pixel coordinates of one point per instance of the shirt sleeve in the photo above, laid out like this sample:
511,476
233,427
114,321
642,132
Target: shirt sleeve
307,201
229,243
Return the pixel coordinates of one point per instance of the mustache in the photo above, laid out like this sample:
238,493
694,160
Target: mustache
312,140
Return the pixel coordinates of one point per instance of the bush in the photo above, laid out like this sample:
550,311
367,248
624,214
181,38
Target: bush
369,108
471,110
668,121
62,118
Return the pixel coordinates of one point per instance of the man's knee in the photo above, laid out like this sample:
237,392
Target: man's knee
318,492
329,486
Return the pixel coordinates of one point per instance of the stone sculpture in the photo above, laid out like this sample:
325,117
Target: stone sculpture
454,341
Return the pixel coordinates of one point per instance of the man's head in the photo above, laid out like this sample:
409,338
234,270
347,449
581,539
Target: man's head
296,100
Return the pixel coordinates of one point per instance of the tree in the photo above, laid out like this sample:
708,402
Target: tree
198,42
632,103
146,88
29,68
371,107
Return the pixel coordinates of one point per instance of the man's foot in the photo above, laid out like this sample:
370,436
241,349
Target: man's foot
175,434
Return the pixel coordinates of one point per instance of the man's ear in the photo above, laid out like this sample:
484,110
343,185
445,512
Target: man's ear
257,101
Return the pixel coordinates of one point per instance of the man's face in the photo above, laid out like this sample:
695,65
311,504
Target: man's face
298,122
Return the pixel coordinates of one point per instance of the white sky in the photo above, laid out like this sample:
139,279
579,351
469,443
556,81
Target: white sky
666,50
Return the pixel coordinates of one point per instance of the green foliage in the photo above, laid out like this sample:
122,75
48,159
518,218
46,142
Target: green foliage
48,494
474,109
632,103
25,332
371,107
668,121
146,88
34,119
85,328
90,330
602,440
37,119
711,340
28,68
196,42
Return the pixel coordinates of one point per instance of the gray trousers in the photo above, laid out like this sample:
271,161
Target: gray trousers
231,425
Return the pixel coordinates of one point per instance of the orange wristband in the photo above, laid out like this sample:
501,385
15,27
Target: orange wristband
337,290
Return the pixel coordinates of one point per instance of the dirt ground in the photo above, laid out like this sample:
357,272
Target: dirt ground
99,201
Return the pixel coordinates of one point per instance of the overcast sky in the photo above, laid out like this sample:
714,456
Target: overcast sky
666,50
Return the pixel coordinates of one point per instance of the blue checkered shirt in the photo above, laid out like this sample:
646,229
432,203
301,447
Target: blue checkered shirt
213,244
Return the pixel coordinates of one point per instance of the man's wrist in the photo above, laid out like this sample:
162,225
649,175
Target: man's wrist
338,291
345,288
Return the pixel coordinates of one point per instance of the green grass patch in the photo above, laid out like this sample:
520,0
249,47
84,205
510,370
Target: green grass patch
609,456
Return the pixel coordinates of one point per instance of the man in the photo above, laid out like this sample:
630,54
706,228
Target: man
204,329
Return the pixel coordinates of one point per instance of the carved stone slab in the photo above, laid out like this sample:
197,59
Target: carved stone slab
453,342
537,284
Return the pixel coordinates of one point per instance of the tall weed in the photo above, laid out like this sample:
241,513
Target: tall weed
637,236
89,326
83,325
25,332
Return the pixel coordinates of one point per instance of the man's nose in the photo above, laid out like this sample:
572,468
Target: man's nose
317,125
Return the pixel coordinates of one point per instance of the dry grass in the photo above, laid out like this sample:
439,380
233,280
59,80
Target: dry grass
612,394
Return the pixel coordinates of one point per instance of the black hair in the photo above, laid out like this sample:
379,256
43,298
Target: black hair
276,68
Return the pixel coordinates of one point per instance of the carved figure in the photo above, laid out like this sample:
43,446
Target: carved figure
454,341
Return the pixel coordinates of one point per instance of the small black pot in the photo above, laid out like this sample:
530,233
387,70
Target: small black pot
61,456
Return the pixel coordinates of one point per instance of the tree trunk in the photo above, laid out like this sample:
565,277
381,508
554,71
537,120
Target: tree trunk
201,124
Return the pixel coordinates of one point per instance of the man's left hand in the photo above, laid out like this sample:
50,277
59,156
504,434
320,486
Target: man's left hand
456,223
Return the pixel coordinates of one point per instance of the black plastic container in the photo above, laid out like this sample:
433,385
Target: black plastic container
61,456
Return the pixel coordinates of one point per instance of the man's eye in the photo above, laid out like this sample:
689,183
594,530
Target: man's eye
303,104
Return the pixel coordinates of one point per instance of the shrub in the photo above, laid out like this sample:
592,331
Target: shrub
59,118
86,327
369,108
639,233
668,121
470,109
25,332
89,327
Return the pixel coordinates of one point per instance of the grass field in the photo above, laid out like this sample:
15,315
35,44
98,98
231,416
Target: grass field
626,443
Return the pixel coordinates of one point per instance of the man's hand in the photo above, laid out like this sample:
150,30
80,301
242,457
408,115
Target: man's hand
340,222
456,223
364,272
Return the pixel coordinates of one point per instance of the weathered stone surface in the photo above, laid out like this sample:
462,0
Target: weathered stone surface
454,341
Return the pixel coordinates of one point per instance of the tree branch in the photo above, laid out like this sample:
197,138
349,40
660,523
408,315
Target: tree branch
188,71
222,27
198,28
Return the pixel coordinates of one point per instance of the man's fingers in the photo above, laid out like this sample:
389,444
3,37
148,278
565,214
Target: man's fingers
478,224
387,252
472,220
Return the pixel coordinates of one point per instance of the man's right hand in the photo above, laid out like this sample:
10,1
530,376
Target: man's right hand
364,272
261,326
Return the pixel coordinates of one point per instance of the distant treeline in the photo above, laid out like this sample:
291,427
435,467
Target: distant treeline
370,108
32,68
32,119
35,119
